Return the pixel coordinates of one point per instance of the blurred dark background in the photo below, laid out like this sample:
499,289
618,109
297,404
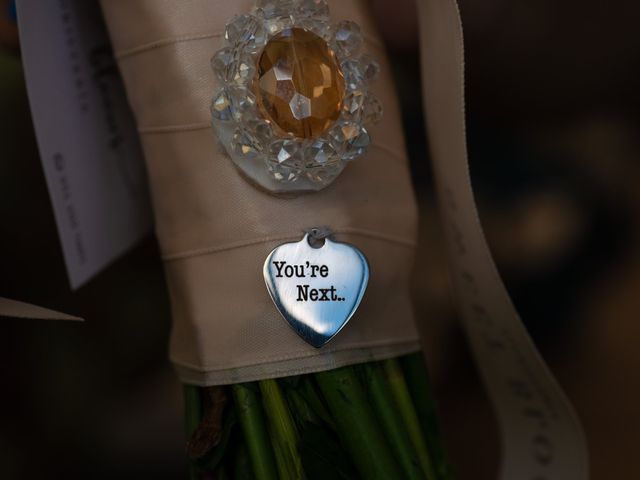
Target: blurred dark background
554,124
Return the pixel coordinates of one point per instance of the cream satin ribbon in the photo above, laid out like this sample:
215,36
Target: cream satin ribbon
541,436
216,229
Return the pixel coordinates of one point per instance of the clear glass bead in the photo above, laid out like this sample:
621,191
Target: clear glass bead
246,31
322,161
244,102
353,75
323,174
245,145
261,129
320,152
221,109
222,62
276,14
313,15
233,103
283,173
347,38
352,104
357,146
277,24
285,161
244,71
274,8
317,9
320,27
350,140
233,66
371,110
369,66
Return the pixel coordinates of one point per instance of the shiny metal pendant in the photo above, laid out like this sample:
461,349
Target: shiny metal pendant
317,290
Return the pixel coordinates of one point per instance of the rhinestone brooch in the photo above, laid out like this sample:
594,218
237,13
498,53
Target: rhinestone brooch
293,104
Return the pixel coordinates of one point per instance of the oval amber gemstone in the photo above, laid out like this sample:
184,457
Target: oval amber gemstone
299,84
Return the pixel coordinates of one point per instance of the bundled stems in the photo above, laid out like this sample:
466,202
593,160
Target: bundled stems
242,466
250,414
313,397
417,377
192,416
392,422
357,425
382,412
406,409
192,409
283,431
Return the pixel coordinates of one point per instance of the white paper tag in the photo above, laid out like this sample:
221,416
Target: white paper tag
86,133
14,309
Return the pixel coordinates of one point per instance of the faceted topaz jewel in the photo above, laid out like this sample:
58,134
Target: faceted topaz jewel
299,85
293,100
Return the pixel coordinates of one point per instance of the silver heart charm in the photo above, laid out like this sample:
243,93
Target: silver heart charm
317,290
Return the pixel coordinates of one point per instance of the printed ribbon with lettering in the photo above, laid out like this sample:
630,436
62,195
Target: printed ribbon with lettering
541,436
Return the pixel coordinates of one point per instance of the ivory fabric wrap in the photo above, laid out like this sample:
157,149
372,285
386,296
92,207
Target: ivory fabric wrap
215,229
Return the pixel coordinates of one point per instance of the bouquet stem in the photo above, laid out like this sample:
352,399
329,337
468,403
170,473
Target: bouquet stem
407,411
357,425
371,421
417,377
192,416
249,410
283,431
391,421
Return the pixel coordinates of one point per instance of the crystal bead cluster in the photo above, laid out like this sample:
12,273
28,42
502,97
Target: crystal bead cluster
294,99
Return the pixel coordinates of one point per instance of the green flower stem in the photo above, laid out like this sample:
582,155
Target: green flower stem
242,466
417,376
311,395
282,430
357,426
192,417
391,420
300,410
192,409
400,392
251,416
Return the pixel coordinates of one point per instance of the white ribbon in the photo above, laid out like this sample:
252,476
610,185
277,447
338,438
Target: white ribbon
541,436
